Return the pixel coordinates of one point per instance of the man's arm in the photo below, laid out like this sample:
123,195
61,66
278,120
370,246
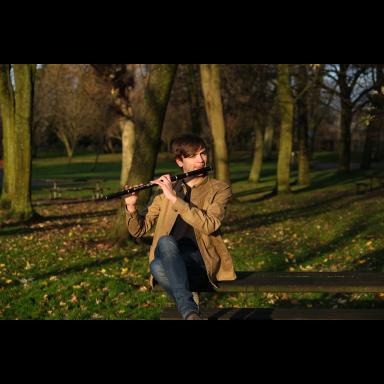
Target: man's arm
138,225
208,221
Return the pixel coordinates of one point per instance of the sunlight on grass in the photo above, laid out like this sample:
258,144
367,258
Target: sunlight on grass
65,267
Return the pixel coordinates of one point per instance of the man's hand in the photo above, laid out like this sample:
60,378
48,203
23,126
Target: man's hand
131,200
165,183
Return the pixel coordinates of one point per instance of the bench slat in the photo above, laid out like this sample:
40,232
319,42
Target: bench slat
299,282
330,282
281,314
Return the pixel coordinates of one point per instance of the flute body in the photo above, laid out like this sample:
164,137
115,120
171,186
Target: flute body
150,185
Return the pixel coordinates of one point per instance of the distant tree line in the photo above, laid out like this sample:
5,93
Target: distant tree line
273,111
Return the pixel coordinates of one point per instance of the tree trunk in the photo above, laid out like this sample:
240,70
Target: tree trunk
304,154
128,146
346,120
24,90
345,141
194,100
7,108
268,140
302,111
149,120
368,146
312,141
315,114
257,163
376,122
69,148
286,132
210,78
109,146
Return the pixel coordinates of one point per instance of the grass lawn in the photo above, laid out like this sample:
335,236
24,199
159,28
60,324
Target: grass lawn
64,266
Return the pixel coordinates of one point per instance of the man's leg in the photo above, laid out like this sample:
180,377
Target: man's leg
161,278
170,271
197,273
158,272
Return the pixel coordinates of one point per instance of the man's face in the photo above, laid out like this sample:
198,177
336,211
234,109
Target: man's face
197,161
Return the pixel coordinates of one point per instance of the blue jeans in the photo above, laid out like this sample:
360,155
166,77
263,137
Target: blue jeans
174,267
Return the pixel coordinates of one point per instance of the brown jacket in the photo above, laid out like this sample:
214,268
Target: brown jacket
205,213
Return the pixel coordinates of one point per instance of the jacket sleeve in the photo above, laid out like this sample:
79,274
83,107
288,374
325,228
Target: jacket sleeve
206,221
139,224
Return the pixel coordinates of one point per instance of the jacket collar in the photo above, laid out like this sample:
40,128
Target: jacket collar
180,186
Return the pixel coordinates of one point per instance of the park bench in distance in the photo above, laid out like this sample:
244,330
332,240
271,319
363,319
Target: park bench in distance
292,282
58,187
374,179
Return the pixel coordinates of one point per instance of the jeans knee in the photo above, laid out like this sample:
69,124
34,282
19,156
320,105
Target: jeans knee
165,246
156,268
166,240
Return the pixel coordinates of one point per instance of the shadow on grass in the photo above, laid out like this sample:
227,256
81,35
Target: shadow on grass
315,208
252,192
24,228
48,203
109,212
266,196
257,220
374,261
326,179
29,231
67,271
342,241
320,179
239,176
78,170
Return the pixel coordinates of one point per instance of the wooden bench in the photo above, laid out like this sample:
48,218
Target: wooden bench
364,186
58,188
374,179
292,282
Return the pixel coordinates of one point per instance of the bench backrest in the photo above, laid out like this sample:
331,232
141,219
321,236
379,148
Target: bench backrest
298,282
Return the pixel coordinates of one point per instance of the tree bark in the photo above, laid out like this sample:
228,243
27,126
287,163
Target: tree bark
194,100
302,110
345,140
346,120
257,163
376,121
149,120
315,113
366,160
268,140
210,78
7,107
286,132
24,80
128,146
69,147
17,107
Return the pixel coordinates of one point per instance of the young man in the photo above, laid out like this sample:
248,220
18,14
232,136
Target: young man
187,244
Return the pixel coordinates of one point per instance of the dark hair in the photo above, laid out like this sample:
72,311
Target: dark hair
187,145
